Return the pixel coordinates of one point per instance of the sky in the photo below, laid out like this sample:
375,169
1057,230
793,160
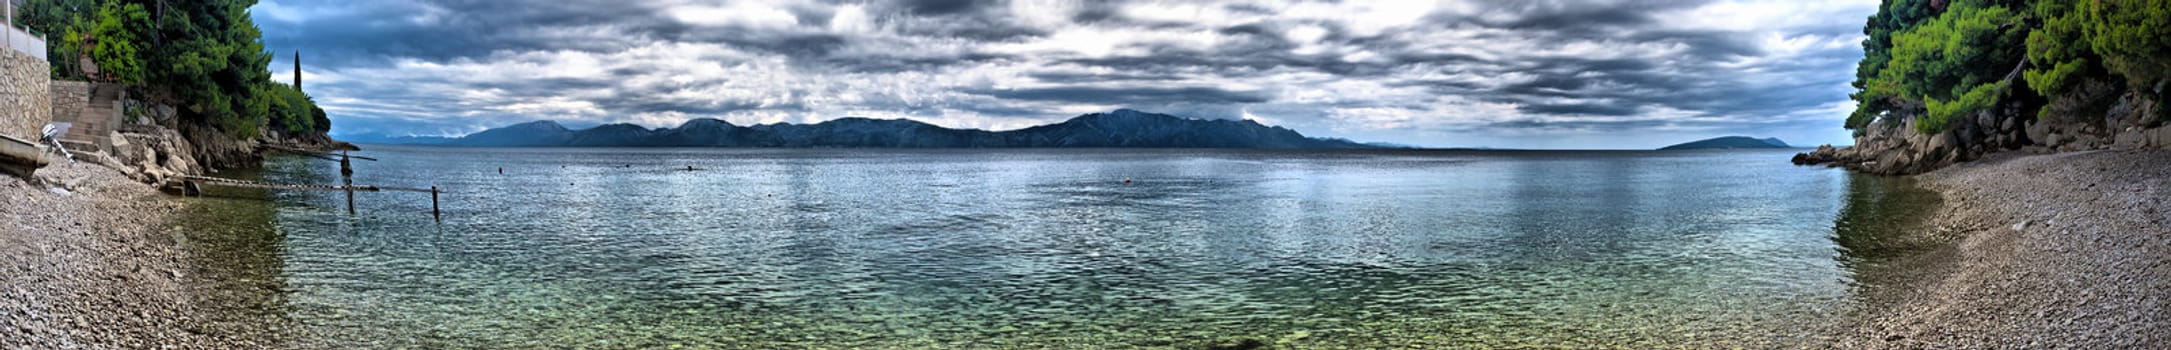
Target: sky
1559,74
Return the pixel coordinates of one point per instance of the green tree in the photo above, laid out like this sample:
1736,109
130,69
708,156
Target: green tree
2133,36
215,63
58,21
1963,52
1892,17
322,121
291,111
1941,113
2059,52
204,55
118,35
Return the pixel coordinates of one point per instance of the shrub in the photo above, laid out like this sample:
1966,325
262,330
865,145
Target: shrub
1941,113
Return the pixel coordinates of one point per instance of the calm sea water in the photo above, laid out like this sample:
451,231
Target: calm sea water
1053,249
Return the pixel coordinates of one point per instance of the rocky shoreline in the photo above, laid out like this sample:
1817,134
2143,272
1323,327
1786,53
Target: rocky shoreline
88,265
1894,147
2063,250
92,259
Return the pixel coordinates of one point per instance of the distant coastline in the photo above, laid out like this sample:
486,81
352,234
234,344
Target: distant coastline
1123,128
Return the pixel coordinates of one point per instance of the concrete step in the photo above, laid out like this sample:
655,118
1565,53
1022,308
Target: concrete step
82,133
85,139
78,146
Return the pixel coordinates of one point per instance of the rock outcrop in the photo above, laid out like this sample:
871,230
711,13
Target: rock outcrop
215,149
1895,148
152,154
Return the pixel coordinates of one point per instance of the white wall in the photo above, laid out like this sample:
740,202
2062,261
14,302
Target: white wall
16,38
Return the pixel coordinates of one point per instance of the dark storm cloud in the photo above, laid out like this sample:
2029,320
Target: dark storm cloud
373,32
1349,68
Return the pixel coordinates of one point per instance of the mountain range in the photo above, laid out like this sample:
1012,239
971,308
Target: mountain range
1729,142
1117,129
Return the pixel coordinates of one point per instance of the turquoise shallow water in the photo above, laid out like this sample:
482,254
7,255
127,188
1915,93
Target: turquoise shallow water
625,248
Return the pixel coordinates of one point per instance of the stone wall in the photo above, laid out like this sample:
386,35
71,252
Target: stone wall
69,97
24,106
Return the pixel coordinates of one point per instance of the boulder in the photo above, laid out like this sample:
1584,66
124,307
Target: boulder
121,148
1890,160
2130,138
2160,137
154,154
2038,131
1822,155
1942,144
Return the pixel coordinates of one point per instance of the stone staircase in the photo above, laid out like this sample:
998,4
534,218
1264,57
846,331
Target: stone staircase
97,120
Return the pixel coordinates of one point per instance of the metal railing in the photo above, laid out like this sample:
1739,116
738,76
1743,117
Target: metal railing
25,42
18,39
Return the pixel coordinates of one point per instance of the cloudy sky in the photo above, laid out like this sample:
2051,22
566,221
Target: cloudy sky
1519,74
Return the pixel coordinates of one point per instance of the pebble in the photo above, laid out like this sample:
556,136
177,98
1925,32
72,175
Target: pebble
93,268
2078,288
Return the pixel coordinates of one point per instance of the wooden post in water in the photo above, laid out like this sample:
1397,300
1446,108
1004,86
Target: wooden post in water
350,197
346,174
346,169
433,205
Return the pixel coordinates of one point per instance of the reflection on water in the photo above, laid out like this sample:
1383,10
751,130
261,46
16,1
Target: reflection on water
1877,207
236,252
1016,248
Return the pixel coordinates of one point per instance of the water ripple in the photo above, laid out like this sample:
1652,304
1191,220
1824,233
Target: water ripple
1048,249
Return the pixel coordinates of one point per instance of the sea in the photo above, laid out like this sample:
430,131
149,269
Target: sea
1053,248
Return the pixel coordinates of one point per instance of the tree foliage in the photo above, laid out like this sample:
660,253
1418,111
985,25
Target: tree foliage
1934,60
1940,114
1893,17
2133,36
117,37
216,64
55,19
1968,46
2059,50
204,55
292,112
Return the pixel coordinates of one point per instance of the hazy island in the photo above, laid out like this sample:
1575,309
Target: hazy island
1728,142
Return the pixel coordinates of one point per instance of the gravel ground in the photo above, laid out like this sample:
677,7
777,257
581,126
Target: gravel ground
93,268
2067,250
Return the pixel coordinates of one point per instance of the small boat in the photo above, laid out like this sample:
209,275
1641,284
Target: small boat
20,157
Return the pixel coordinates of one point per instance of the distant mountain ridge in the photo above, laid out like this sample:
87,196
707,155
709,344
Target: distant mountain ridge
1729,142
1123,128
